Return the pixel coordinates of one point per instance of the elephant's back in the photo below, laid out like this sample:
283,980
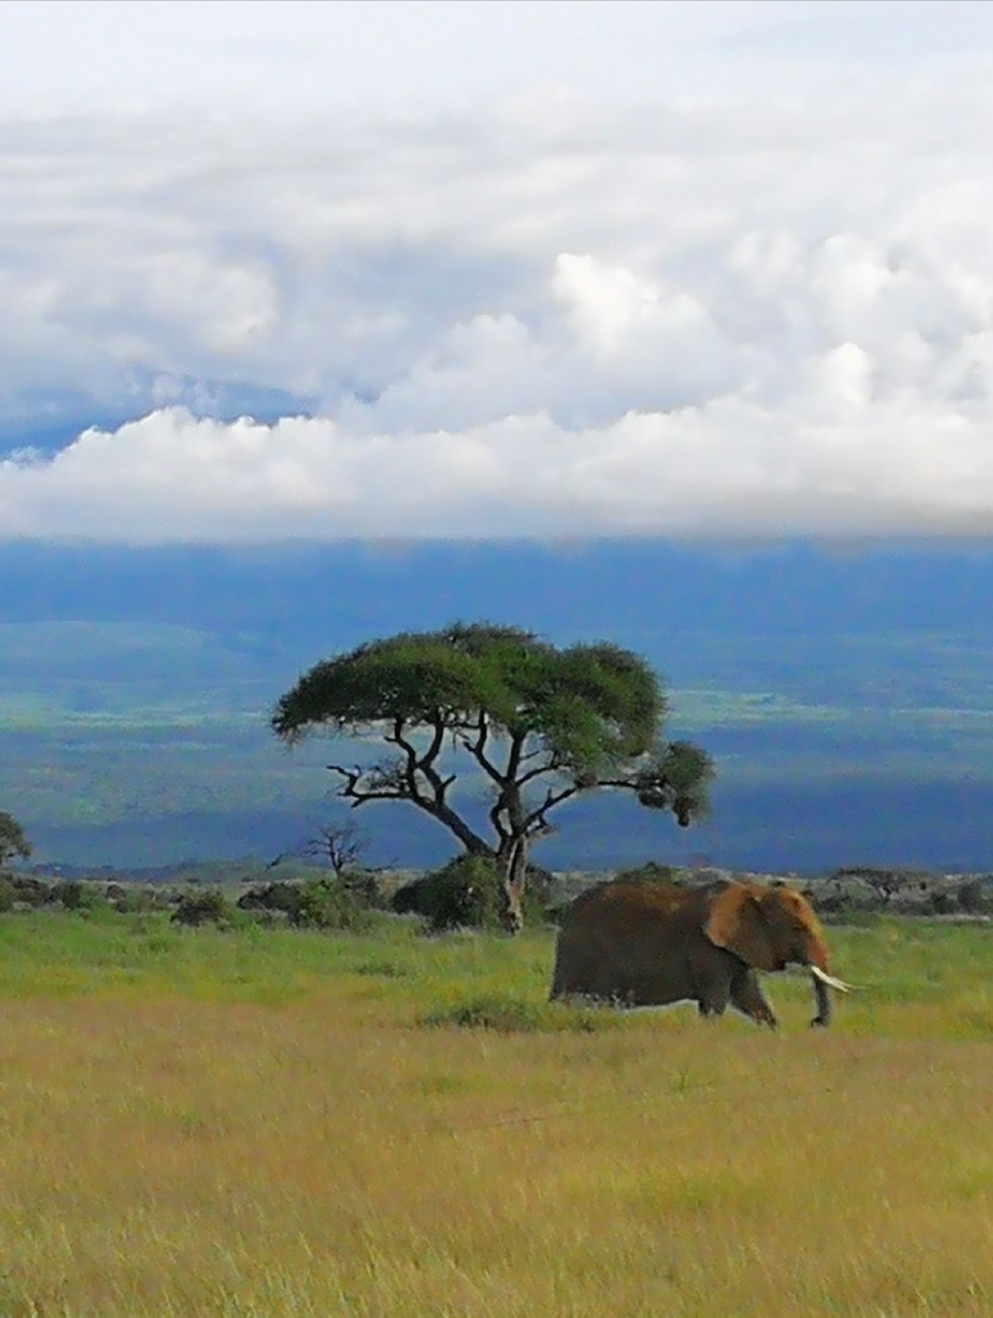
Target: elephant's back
628,907
612,937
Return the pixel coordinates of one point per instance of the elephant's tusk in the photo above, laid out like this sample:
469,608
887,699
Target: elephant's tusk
830,980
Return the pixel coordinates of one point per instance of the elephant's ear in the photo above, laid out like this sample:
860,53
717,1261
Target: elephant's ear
736,923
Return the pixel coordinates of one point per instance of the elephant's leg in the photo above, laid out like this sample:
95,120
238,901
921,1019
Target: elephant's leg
747,996
710,971
713,995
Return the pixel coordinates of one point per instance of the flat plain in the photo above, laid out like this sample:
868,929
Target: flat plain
139,743
270,1124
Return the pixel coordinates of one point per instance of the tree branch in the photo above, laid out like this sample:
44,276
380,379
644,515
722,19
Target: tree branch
552,799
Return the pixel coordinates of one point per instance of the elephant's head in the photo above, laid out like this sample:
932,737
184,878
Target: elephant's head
771,928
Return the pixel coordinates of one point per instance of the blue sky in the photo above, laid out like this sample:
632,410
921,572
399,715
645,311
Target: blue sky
544,270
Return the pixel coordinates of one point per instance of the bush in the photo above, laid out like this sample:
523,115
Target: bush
653,871
135,899
467,893
492,1012
203,906
329,903
326,902
69,892
838,898
363,886
75,895
6,895
505,1014
276,896
884,884
972,897
28,890
939,901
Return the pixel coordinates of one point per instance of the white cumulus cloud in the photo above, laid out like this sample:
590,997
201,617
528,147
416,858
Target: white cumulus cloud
552,314
728,467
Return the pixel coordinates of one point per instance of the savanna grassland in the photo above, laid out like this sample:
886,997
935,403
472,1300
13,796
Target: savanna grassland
277,1124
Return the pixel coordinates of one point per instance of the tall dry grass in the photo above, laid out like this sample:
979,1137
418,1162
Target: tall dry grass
209,1147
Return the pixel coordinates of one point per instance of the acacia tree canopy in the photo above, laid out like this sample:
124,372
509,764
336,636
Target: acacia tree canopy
542,725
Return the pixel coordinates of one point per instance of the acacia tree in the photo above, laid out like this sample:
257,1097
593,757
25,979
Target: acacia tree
542,725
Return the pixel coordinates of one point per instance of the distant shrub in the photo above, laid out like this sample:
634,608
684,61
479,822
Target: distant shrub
840,899
137,899
6,894
653,871
202,906
28,890
74,895
276,896
467,893
492,1012
972,898
328,903
381,969
363,886
885,884
322,902
940,901
462,894
508,1015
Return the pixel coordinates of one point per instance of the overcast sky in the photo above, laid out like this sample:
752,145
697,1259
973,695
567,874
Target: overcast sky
431,268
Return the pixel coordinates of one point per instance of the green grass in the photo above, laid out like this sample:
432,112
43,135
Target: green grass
939,969
284,1124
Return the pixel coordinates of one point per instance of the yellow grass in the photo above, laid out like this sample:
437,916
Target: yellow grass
163,1154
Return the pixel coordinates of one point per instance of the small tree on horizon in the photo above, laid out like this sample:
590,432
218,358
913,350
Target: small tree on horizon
339,844
542,726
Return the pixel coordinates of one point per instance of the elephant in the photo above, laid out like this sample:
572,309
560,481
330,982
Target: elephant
646,944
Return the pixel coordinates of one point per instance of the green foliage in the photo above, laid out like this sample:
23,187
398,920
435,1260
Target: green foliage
279,895
28,890
363,887
466,893
591,705
973,897
136,899
13,841
857,891
330,903
72,894
677,779
916,977
321,901
508,1013
539,724
653,871
203,906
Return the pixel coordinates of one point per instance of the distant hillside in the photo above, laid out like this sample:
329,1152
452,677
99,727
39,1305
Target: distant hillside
848,700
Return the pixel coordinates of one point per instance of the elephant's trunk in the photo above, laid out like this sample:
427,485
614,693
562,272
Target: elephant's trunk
822,981
823,998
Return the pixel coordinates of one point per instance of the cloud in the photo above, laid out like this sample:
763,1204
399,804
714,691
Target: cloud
728,467
542,317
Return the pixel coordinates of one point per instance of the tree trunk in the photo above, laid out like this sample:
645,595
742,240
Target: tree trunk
513,864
